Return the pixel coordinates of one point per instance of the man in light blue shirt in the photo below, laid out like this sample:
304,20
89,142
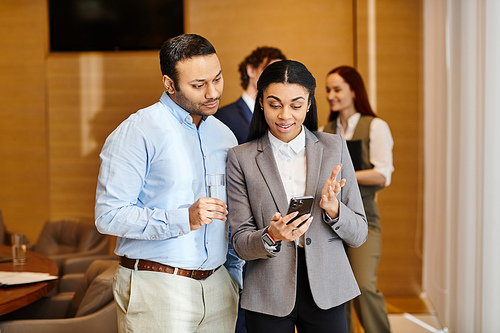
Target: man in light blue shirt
178,271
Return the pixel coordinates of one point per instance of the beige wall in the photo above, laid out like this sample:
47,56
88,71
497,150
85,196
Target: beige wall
57,109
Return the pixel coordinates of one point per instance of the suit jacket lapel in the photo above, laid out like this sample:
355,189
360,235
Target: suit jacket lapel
314,156
267,166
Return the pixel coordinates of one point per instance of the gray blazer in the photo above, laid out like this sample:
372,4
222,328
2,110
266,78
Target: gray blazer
255,193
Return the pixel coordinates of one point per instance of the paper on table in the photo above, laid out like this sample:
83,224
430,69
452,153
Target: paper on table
14,278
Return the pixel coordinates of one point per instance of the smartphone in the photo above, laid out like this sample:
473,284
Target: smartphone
303,205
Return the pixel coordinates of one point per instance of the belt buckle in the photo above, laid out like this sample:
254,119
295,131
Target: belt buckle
193,272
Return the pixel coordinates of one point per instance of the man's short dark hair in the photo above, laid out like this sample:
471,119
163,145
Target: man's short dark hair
257,57
180,48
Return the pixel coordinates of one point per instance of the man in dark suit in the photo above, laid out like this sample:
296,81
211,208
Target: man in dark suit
237,115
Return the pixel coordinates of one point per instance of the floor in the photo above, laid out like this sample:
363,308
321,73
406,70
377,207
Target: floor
415,323
410,315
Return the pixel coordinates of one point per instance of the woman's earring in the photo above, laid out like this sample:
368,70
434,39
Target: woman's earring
307,110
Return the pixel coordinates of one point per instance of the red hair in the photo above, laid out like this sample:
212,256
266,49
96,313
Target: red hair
352,77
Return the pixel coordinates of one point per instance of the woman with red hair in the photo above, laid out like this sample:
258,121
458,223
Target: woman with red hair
370,145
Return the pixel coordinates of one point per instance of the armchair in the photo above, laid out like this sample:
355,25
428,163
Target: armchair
74,271
63,239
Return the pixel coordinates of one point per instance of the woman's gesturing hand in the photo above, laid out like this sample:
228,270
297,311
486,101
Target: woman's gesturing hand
329,193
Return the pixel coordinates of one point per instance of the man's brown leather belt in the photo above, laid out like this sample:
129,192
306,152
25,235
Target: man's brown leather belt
148,265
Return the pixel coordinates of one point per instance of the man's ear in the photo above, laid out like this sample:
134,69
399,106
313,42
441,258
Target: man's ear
251,71
168,83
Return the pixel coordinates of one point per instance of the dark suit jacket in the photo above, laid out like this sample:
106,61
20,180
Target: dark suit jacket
237,117
255,192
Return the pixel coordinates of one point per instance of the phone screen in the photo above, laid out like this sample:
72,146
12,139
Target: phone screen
301,204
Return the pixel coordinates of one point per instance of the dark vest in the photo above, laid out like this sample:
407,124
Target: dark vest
359,149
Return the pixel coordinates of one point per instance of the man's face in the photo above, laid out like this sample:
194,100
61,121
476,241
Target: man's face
200,85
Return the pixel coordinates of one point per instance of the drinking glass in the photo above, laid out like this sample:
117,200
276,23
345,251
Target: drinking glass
19,242
216,184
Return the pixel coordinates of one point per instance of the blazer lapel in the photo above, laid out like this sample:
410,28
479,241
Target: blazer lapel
314,156
269,170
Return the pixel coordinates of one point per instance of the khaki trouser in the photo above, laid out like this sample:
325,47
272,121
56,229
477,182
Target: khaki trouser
160,302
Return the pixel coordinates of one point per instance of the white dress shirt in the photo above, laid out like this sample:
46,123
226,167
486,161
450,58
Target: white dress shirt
291,160
250,102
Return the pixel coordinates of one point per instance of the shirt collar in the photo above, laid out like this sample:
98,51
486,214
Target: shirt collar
296,144
178,112
351,121
250,102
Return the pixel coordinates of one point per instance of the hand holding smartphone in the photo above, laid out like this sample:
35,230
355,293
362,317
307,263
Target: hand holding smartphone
303,205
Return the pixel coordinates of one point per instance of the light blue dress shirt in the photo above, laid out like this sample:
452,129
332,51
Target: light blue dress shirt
153,168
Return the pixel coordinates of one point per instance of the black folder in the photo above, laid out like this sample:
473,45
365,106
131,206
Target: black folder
356,152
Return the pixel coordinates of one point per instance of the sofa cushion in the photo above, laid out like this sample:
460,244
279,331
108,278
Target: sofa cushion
95,290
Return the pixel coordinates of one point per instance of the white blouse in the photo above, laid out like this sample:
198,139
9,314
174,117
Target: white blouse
291,160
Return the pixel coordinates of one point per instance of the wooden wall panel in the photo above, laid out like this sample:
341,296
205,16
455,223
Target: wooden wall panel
89,95
399,102
23,131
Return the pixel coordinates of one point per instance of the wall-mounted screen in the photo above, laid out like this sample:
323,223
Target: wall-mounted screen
113,25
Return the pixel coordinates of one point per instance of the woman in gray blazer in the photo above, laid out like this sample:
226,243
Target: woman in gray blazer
297,275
